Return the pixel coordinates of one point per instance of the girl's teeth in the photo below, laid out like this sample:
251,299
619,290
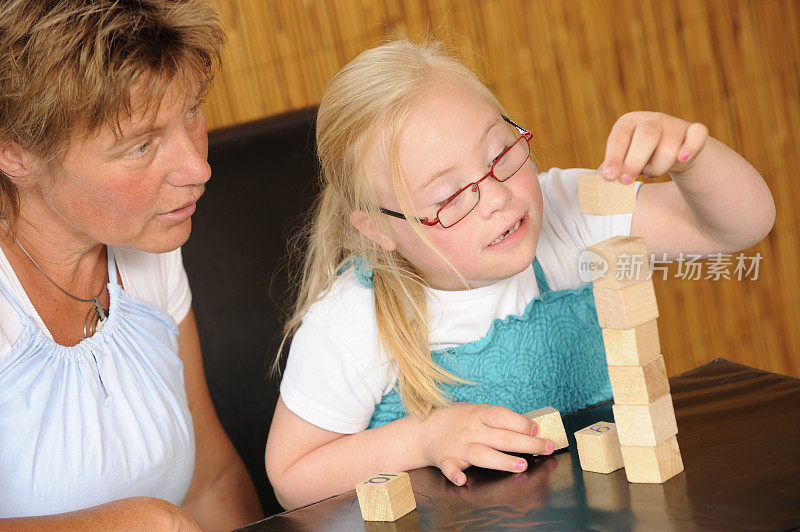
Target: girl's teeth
501,237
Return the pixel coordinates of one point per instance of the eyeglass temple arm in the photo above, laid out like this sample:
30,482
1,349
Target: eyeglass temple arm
507,119
393,213
423,221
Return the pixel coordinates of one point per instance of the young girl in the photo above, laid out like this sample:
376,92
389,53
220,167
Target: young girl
440,297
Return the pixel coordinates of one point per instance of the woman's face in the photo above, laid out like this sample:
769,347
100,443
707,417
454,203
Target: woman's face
450,140
138,189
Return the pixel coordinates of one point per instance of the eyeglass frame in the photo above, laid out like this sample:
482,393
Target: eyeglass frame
525,134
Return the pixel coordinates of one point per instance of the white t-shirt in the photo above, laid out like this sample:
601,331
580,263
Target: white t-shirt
335,375
159,279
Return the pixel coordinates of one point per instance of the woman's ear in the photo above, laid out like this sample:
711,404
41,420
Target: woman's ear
364,222
15,163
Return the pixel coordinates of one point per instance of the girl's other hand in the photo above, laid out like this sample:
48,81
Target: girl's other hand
460,435
653,144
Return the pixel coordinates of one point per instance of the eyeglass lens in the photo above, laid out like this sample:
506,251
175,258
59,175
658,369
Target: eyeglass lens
507,165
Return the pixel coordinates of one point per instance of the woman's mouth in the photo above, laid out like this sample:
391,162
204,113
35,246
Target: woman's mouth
511,235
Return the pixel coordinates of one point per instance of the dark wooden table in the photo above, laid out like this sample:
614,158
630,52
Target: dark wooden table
739,433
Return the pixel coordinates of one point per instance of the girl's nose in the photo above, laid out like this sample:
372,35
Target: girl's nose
495,195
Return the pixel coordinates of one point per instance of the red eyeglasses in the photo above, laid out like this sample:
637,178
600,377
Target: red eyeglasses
460,204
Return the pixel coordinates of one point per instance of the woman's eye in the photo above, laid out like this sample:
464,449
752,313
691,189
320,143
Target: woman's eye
195,108
140,150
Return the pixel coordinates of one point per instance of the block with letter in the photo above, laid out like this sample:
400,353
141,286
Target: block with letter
626,308
598,448
596,195
652,464
550,425
639,385
632,347
385,497
646,425
626,261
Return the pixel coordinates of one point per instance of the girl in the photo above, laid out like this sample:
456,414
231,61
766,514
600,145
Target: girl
440,296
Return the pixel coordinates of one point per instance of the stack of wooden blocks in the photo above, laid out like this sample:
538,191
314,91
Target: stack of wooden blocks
627,313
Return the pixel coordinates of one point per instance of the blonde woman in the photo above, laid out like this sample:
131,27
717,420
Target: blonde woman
105,418
440,297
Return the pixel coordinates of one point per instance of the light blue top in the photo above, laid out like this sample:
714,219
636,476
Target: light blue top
552,355
102,420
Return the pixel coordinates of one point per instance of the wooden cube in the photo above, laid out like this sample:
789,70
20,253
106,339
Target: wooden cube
550,425
653,464
626,261
598,196
598,448
626,308
632,347
385,497
645,425
639,385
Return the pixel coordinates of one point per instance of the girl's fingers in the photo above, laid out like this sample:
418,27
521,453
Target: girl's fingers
499,417
644,141
452,470
485,456
694,140
664,157
514,442
616,147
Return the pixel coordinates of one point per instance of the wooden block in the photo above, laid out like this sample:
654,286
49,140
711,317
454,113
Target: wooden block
632,347
598,196
598,448
550,425
626,261
645,425
653,464
639,385
626,308
385,497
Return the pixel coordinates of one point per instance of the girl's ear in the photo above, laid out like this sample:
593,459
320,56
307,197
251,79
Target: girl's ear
15,163
364,222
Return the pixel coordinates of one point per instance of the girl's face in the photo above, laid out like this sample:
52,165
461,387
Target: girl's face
450,140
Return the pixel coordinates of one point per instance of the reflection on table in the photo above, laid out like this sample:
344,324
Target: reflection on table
738,432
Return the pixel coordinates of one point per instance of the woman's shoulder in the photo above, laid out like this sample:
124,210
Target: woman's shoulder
138,261
158,278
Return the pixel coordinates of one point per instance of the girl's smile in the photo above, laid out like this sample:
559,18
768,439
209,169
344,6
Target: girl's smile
511,236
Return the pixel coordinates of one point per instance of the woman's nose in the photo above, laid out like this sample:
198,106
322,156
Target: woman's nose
190,166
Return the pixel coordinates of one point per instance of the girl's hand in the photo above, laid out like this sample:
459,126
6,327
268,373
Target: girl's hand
459,435
653,144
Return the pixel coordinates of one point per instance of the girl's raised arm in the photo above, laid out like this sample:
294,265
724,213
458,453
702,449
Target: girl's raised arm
716,202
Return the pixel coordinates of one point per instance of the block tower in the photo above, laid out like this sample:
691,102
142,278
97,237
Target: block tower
627,313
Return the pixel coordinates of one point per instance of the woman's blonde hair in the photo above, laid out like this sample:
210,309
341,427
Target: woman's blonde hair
67,67
367,102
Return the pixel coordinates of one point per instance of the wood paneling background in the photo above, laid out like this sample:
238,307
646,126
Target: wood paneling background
567,70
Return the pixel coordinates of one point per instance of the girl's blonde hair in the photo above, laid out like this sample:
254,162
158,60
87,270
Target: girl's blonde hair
367,102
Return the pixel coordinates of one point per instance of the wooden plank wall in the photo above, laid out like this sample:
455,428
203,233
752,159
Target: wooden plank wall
567,70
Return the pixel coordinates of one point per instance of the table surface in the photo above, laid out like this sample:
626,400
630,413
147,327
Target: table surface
739,434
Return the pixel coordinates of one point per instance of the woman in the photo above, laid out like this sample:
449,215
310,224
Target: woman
105,416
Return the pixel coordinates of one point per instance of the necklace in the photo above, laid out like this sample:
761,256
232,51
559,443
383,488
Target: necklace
96,315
